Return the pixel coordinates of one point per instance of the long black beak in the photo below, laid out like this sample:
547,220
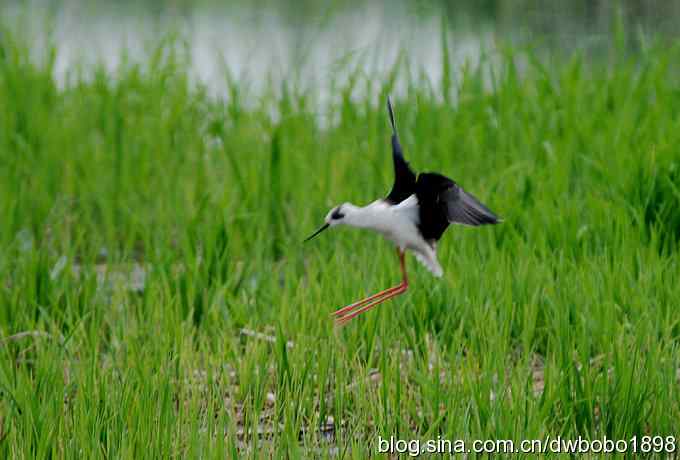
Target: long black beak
323,227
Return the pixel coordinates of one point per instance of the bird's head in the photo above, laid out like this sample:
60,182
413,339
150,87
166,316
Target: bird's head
336,216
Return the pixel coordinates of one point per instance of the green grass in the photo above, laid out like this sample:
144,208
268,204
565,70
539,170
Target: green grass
150,246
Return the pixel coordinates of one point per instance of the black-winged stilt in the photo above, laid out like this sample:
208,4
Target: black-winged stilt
413,216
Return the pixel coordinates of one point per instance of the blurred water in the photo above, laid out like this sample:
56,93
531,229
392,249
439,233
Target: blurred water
315,43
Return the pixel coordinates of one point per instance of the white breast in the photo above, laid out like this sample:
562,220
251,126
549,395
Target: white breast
408,236
399,224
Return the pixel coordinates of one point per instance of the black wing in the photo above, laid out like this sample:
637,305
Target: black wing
404,177
443,202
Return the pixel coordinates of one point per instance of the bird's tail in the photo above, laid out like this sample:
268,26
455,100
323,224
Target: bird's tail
430,262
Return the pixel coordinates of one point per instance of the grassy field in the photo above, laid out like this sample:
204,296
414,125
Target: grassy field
156,300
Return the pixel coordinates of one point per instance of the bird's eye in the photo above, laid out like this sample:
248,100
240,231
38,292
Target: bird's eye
337,214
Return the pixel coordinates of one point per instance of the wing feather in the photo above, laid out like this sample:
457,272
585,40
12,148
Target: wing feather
443,202
464,208
404,177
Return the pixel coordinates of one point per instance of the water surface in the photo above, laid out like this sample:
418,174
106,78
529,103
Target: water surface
315,43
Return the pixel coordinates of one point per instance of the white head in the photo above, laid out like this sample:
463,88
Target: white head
339,215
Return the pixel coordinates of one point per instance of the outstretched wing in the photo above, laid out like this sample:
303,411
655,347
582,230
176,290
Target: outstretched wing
443,202
404,177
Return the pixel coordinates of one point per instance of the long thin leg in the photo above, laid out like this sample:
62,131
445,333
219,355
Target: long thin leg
362,302
345,319
345,314
377,295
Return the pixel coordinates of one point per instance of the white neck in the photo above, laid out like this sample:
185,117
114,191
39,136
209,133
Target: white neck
370,216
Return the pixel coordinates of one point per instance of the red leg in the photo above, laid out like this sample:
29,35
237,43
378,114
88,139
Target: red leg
380,294
345,319
358,304
345,314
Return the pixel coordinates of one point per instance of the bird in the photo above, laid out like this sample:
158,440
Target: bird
414,215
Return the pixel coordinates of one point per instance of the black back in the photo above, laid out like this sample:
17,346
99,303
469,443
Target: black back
441,202
404,177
